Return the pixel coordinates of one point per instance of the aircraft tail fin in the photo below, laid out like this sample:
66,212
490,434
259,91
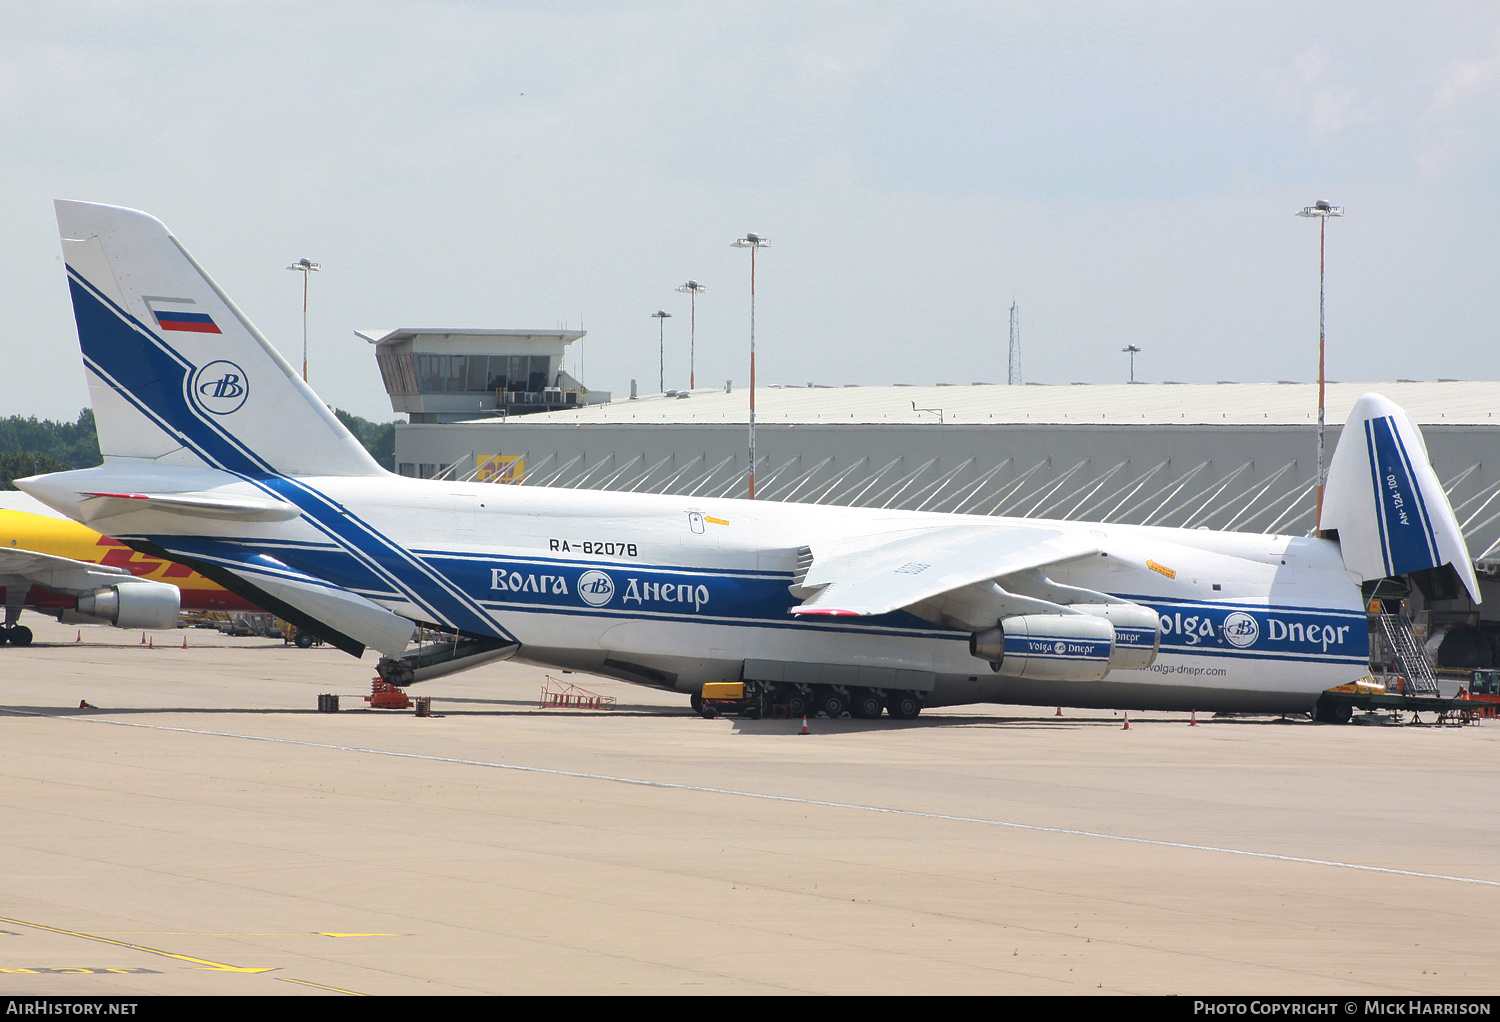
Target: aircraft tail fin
1383,497
177,373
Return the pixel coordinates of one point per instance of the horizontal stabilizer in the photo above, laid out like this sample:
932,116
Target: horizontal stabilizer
1385,501
95,507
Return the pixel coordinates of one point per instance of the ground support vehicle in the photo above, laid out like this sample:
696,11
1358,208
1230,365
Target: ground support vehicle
1484,689
299,637
720,699
1337,705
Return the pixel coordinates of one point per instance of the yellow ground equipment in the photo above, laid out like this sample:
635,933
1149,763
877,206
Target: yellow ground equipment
720,698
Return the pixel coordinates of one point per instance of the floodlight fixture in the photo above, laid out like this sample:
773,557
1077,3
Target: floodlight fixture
661,316
693,289
306,267
752,242
1321,209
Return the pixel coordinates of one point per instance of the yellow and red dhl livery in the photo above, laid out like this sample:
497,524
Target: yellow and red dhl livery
58,567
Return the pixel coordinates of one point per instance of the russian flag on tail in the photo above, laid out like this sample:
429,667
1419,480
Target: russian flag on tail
174,314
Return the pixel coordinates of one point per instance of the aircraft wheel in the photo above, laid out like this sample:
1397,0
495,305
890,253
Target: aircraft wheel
832,703
20,635
304,640
696,700
904,705
1332,713
866,704
796,702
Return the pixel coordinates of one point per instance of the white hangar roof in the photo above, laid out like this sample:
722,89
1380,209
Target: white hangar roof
1239,457
1293,404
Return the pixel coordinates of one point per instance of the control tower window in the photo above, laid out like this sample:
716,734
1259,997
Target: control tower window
458,373
480,374
520,365
432,371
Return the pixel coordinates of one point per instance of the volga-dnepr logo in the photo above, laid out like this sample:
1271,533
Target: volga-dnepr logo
596,588
221,387
1241,630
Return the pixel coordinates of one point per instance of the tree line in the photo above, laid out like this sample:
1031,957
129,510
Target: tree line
30,446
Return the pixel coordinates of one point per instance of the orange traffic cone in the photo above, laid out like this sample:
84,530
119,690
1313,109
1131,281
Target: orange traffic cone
80,636
143,638
1127,721
184,640
152,643
804,725
1059,712
83,704
1194,721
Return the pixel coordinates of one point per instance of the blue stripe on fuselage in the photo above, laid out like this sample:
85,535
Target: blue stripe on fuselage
681,594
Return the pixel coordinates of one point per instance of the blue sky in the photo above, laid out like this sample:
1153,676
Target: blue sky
1127,172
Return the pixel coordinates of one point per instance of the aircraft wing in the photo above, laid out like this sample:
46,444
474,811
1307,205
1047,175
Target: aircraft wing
61,574
867,575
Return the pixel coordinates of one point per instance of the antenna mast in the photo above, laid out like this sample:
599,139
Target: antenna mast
1015,346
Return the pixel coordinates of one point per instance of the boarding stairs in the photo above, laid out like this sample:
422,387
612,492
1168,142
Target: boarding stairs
567,696
1413,662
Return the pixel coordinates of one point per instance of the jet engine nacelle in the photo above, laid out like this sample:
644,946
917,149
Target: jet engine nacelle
134,605
1137,633
1048,647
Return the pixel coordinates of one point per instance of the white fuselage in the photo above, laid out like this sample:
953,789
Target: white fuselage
679,591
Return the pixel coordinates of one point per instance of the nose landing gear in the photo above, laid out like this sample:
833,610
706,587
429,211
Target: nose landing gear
16,635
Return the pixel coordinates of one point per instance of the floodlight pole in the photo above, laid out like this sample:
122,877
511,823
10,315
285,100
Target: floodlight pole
1322,210
306,266
661,316
752,242
692,287
1133,350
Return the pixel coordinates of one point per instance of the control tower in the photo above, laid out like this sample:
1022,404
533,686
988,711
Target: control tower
443,375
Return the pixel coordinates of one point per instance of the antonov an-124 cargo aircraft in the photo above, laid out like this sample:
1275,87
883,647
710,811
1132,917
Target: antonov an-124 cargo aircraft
217,456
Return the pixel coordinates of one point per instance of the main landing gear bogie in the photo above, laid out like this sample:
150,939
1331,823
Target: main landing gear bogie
17,635
837,702
834,702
